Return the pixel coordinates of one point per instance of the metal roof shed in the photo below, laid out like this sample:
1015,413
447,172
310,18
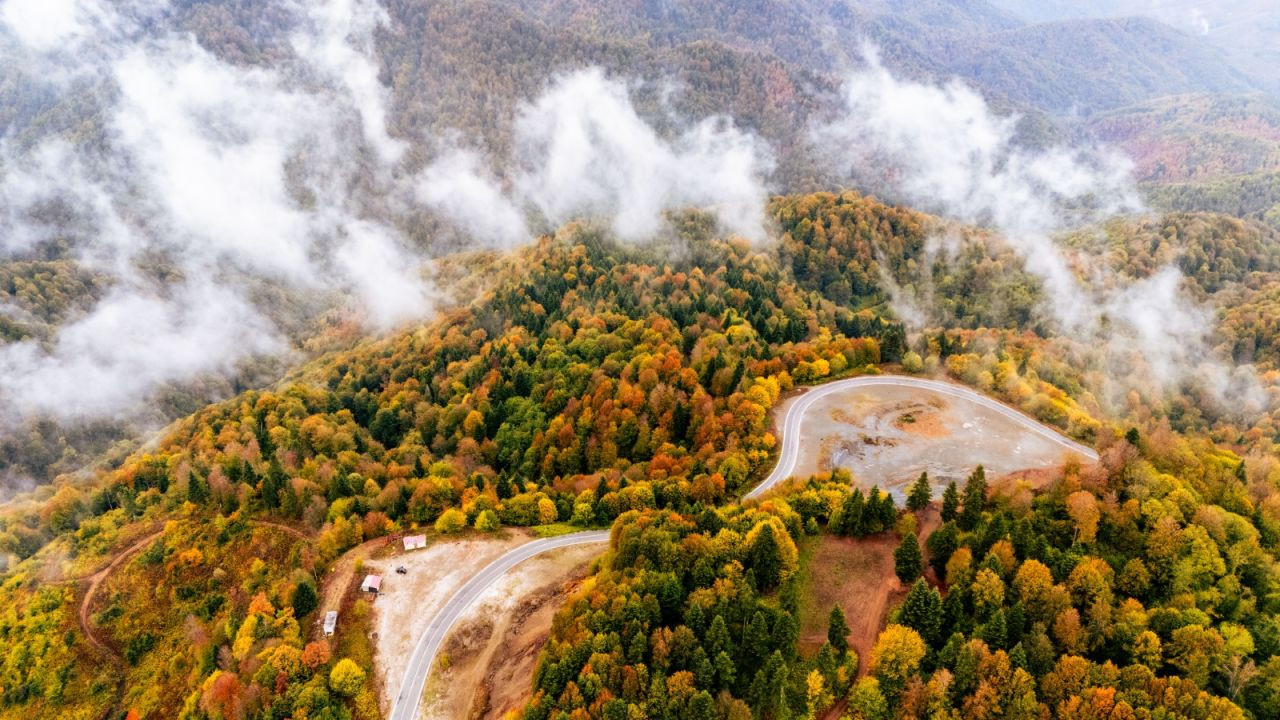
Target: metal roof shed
372,583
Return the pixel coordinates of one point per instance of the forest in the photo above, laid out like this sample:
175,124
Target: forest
600,384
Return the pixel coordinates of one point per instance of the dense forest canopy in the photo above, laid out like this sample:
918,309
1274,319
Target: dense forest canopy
280,281
595,383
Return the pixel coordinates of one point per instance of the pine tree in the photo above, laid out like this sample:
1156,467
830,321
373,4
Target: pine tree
726,671
975,499
769,689
197,488
786,634
1018,657
304,599
908,562
995,632
922,611
950,502
717,640
838,632
503,488
921,494
755,641
942,544
851,521
765,558
273,483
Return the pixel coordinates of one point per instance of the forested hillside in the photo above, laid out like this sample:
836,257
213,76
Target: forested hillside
458,72
281,283
593,384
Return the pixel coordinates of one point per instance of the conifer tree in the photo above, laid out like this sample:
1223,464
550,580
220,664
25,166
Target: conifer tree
908,562
921,494
197,488
838,632
922,611
975,499
950,502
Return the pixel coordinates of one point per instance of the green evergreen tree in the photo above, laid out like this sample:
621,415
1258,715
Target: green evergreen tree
950,502
995,632
942,544
726,671
922,611
766,559
272,484
197,488
838,632
1018,657
769,690
702,707
921,494
703,671
717,640
975,499
304,599
851,522
786,634
755,642
908,562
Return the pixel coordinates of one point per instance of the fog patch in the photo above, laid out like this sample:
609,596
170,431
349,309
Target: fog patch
942,149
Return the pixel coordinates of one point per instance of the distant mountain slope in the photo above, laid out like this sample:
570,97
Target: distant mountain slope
1196,137
1245,30
1090,65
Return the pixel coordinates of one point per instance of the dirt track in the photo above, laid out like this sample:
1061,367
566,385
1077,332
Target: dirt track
857,574
96,579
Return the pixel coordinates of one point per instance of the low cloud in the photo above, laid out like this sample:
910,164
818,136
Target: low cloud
209,179
942,149
582,150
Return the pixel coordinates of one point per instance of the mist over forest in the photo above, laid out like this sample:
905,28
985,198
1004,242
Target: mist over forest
281,279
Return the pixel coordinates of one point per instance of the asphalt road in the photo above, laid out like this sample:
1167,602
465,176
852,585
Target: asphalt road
795,414
409,699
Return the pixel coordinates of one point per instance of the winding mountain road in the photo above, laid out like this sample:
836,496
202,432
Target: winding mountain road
795,415
409,699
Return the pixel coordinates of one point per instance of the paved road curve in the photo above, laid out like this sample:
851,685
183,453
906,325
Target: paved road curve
409,699
795,414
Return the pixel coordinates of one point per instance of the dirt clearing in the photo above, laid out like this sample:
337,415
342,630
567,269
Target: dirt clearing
858,575
887,435
494,649
408,601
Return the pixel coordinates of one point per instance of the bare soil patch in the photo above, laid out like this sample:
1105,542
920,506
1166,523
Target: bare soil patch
493,651
407,602
887,435
921,422
858,575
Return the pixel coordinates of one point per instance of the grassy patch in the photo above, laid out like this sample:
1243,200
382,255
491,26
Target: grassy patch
554,529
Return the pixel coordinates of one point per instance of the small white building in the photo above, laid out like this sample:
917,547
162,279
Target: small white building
330,622
372,583
415,542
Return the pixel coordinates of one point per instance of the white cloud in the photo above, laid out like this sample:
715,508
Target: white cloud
942,149
584,151
458,188
339,45
49,24
132,341
235,176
